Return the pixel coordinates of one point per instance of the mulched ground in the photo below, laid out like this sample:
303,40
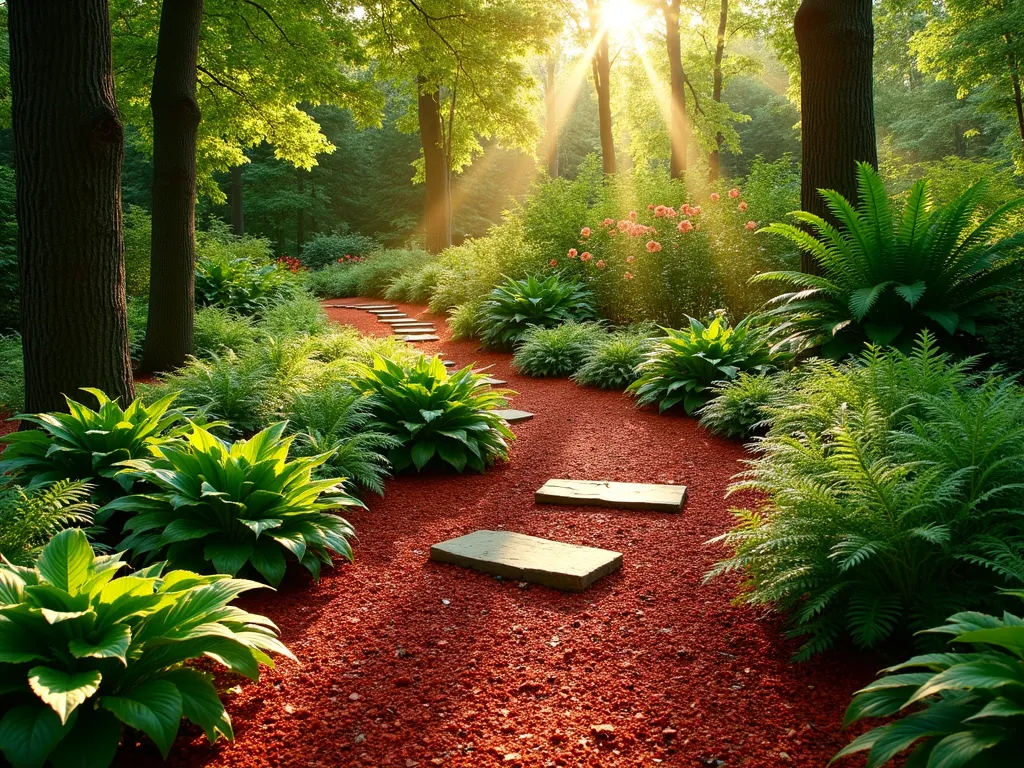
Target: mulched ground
409,663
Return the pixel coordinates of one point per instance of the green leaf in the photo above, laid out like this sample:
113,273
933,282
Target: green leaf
200,703
91,743
66,560
268,559
422,452
958,749
228,557
63,692
154,707
112,644
29,733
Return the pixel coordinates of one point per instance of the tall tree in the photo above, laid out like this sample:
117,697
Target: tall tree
551,116
68,146
679,121
718,79
835,41
601,68
175,126
436,168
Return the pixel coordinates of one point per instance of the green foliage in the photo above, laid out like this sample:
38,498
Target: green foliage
416,285
334,420
335,281
612,361
138,319
1004,336
684,365
242,285
12,374
231,507
369,277
516,305
323,250
957,709
888,276
218,329
299,316
737,407
558,351
138,236
892,486
30,518
10,279
83,654
462,321
87,444
434,415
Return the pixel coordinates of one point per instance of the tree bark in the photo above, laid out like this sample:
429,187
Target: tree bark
68,147
679,121
715,160
437,221
175,125
601,67
1018,101
551,120
835,40
237,210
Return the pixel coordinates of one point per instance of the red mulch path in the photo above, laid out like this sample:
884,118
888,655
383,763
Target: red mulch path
410,663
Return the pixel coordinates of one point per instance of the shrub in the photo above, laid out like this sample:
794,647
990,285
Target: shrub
230,506
737,407
892,498
1004,336
612,361
369,276
462,321
88,445
435,415
85,654
967,701
241,285
138,319
335,420
682,367
334,281
300,316
887,277
30,518
516,305
558,351
323,250
138,236
12,374
416,285
218,330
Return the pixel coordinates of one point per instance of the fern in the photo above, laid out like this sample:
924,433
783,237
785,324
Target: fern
29,518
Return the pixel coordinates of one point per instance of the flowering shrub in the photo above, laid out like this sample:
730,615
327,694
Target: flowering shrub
323,250
291,263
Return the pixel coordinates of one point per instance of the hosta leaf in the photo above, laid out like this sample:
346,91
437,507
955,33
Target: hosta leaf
958,749
111,644
63,692
228,557
66,560
422,452
453,453
184,529
153,707
200,703
91,742
29,733
268,559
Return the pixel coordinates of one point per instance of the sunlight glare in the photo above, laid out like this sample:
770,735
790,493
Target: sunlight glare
620,14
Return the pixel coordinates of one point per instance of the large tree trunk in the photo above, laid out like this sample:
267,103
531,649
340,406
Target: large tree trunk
715,160
601,66
175,124
1018,101
437,221
68,145
836,43
551,120
237,211
679,121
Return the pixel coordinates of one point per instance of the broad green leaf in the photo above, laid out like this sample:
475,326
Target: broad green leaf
111,644
63,692
91,742
29,733
154,707
200,703
66,560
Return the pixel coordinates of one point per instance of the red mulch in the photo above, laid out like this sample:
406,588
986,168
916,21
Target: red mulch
409,663
7,423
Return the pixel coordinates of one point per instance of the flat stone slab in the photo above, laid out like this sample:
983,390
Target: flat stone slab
368,307
601,493
421,337
512,416
554,564
342,306
448,363
385,311
392,316
494,382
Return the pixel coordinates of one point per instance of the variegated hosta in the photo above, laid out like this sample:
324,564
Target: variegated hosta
226,507
84,654
84,444
435,414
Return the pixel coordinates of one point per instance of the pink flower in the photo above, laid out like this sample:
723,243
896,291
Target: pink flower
585,256
650,207
696,210
715,197
585,232
627,276
734,193
624,225
743,205
632,215
612,233
553,262
630,259
572,253
599,263
671,213
653,246
751,226
608,223
660,211
685,209
685,226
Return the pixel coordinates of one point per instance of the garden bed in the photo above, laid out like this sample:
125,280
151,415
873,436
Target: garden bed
412,663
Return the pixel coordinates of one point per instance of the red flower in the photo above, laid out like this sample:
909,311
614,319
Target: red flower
734,193
743,205
627,276
751,226
599,263
585,256
585,232
685,226
653,246
572,253
553,262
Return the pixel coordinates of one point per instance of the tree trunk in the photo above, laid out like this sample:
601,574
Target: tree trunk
679,121
551,120
715,160
437,221
68,146
601,67
1018,102
175,124
300,228
237,211
835,39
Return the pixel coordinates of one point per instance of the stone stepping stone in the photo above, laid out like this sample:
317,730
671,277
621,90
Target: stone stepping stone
392,316
368,307
342,306
402,320
393,311
601,493
512,416
494,382
421,337
554,564
448,363
418,328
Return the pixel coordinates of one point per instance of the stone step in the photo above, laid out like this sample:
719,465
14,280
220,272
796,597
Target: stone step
342,306
554,564
602,493
494,382
512,416
448,363
393,311
395,316
403,321
369,307
421,337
